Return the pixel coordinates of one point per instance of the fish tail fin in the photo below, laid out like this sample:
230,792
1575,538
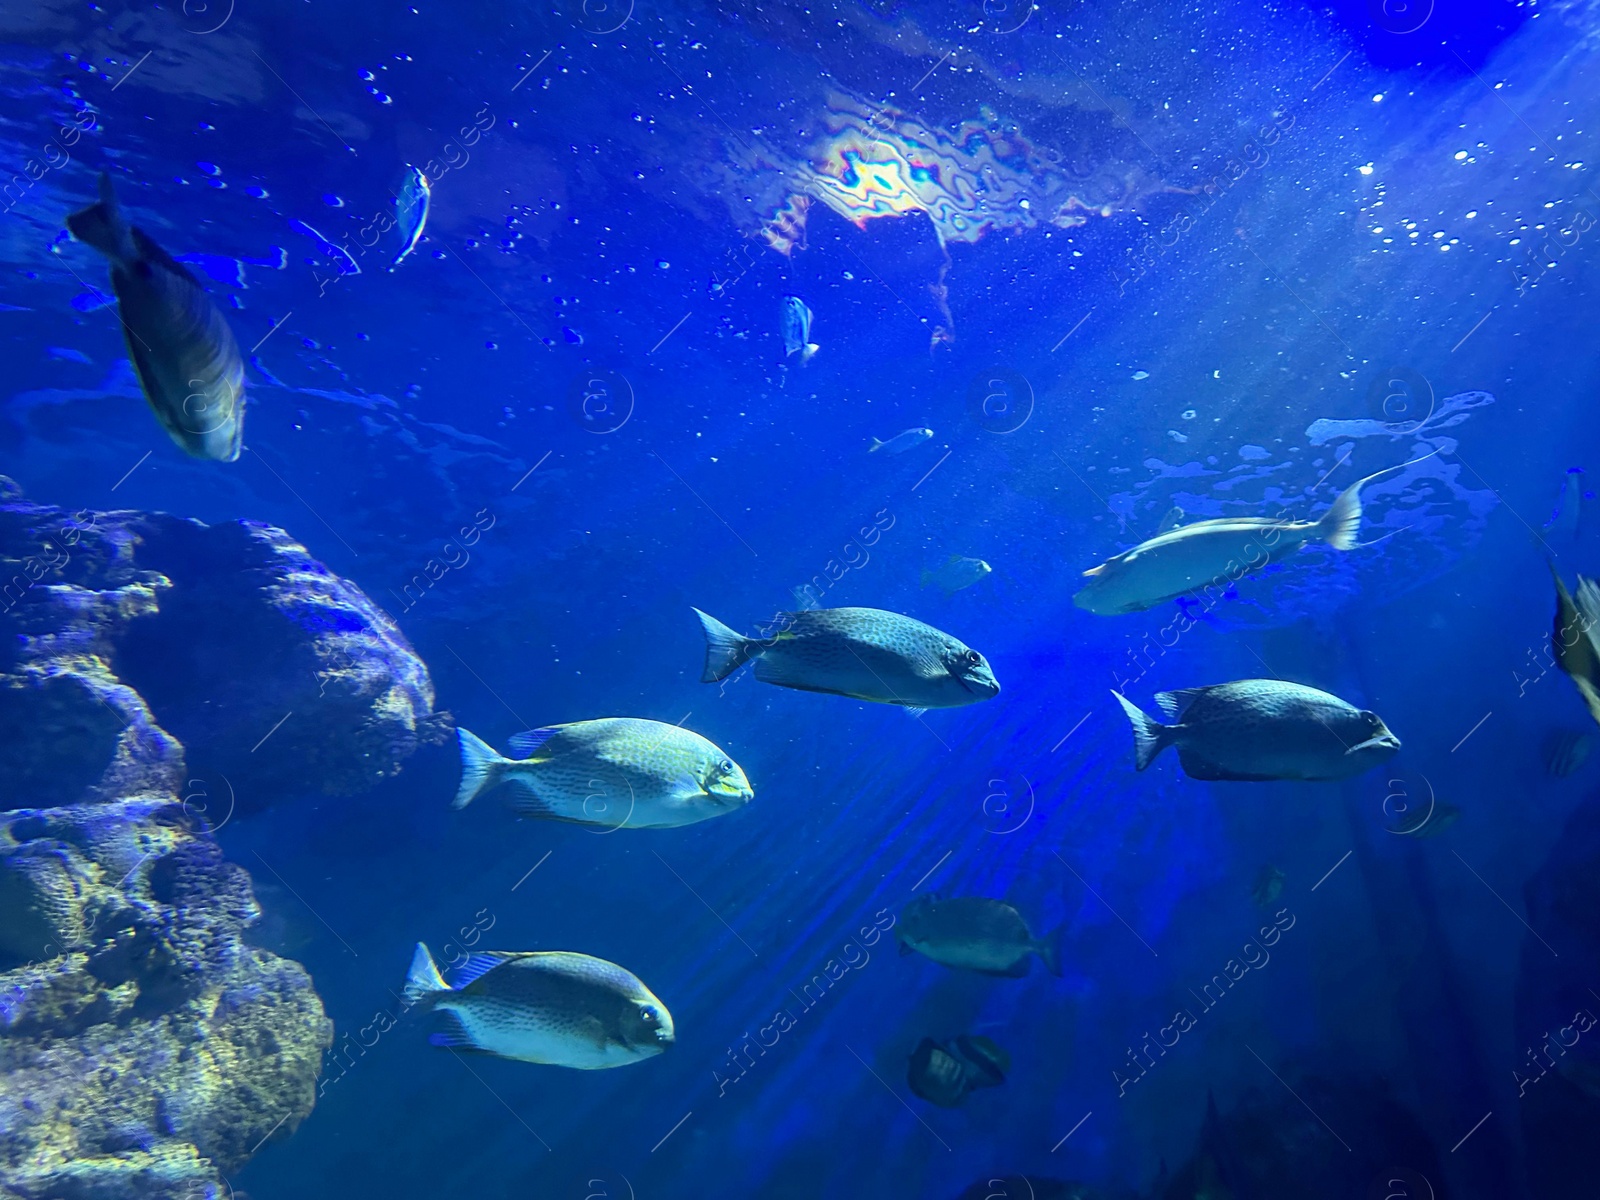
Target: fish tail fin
1150,737
726,651
875,447
480,767
808,352
102,226
423,979
1341,524
1049,949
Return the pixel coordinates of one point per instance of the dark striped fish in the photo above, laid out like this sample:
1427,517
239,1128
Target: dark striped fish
1565,751
182,349
1261,729
864,653
1575,642
555,1007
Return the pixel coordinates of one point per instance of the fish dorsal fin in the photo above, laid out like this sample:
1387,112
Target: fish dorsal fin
1096,570
1175,703
1172,520
150,252
479,965
526,743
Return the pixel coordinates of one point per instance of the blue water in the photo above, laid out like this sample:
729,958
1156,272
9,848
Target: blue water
567,417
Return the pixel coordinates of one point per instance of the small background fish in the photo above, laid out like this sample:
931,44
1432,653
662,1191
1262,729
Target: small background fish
1268,887
957,573
901,442
795,325
412,200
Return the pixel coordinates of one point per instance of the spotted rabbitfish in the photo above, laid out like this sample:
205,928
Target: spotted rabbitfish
1208,553
616,772
181,347
1261,729
863,653
554,1007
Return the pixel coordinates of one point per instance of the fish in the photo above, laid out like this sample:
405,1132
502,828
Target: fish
901,442
1565,751
957,573
975,933
1261,729
1574,642
411,201
1440,817
795,323
182,349
1207,553
616,772
1569,509
946,1073
555,1007
863,653
1268,887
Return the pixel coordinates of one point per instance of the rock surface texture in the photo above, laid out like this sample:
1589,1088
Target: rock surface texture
146,1049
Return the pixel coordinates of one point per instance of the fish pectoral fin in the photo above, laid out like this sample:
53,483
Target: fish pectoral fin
453,1034
913,711
905,949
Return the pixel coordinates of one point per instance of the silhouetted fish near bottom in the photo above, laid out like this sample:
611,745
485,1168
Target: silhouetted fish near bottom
944,1074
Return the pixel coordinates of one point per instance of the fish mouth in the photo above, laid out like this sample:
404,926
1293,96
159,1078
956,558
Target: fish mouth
1382,741
730,798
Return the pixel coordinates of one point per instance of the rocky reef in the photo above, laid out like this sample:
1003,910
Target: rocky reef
146,1049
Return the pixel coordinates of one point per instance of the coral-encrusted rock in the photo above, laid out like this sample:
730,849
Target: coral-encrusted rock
145,1048
125,634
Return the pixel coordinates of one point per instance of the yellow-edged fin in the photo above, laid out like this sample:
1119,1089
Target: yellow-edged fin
1569,641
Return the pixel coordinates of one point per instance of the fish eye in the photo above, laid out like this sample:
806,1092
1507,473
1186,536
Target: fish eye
973,658
727,766
647,1015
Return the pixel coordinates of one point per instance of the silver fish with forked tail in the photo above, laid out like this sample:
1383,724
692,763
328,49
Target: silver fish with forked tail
1210,553
863,653
1262,729
554,1007
182,349
616,772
